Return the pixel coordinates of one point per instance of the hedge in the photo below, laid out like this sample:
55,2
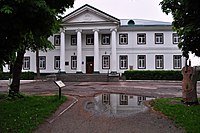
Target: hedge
24,75
153,75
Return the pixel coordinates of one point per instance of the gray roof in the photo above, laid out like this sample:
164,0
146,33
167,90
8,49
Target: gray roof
143,22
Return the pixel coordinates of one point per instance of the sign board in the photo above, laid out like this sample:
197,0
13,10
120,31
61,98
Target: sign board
59,83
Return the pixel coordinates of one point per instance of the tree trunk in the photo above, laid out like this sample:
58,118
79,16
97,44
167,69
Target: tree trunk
17,69
37,64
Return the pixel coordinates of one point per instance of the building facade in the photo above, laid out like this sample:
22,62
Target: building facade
92,41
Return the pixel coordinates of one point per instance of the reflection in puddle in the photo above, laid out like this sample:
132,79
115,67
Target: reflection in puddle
117,104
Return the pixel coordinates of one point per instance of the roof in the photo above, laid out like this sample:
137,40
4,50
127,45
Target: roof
143,22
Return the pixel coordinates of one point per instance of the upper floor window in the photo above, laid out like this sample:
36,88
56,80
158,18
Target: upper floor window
105,62
175,38
141,61
177,61
141,38
105,39
123,99
56,62
73,39
57,40
123,38
73,62
42,62
89,39
159,60
159,39
123,61
26,63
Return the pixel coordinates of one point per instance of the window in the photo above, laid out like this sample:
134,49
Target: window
159,62
159,38
141,61
90,39
106,99
141,99
177,61
42,62
175,38
105,39
123,38
123,99
73,39
105,62
56,62
57,40
123,63
26,63
141,38
73,62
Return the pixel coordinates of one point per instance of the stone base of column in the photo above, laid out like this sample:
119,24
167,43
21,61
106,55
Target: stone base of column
79,72
96,72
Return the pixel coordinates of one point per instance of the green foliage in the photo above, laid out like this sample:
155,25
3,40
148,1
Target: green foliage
185,116
186,15
24,75
153,75
25,114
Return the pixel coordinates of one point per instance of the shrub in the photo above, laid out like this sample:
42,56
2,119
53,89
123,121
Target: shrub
24,75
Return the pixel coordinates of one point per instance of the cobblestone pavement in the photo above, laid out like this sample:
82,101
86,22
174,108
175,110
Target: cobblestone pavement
78,120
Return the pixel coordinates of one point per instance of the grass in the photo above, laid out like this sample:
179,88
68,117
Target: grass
23,115
185,116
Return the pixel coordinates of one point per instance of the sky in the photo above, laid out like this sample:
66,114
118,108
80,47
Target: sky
127,9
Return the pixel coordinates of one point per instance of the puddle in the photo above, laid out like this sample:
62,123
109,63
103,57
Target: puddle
117,104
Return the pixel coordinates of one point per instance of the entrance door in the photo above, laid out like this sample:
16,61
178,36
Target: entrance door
89,64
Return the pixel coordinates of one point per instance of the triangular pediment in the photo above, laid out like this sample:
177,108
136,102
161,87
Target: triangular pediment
87,14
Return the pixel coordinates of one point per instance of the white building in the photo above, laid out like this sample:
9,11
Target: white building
92,41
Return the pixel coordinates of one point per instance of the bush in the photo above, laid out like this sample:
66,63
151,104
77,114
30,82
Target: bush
153,75
24,75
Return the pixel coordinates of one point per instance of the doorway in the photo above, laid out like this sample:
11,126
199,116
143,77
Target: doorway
89,64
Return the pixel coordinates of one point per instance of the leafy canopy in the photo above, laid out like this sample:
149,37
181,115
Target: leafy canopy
186,15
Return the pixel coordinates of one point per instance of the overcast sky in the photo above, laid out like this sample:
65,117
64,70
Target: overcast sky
127,9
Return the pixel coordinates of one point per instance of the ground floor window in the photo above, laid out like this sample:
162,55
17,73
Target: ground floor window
26,63
73,62
123,61
56,62
105,62
42,62
177,61
141,61
159,59
106,98
123,99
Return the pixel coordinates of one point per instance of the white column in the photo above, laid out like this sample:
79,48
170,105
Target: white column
113,51
62,51
96,51
79,51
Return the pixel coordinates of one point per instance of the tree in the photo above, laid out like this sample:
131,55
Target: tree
186,15
26,25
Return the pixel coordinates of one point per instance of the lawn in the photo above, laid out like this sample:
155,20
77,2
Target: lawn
183,115
23,115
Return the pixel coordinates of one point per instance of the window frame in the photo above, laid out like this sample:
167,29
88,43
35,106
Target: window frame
24,66
73,37
123,99
105,37
91,37
174,62
57,40
121,65
138,38
139,67
43,63
175,37
124,37
73,62
161,35
106,98
55,63
162,61
103,66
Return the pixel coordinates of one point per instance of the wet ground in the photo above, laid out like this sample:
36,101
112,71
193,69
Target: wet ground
106,107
